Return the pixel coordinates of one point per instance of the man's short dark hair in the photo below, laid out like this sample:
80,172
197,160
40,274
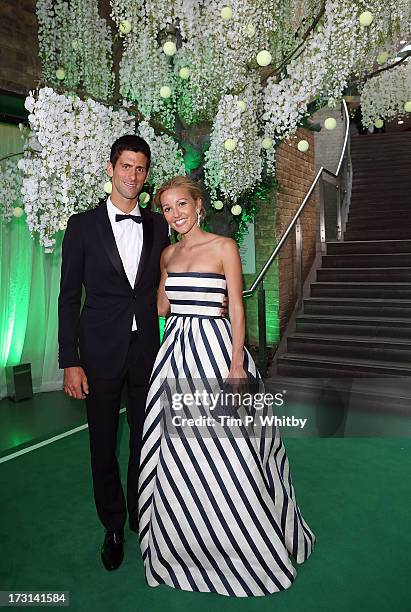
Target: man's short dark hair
130,142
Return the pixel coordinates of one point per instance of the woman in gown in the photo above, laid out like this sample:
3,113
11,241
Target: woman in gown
217,507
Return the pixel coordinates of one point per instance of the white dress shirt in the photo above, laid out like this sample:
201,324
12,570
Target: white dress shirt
129,240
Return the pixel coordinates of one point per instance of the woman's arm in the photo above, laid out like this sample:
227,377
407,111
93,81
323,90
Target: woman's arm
232,271
163,305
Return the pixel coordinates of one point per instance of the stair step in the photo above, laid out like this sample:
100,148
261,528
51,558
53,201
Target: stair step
385,349
333,325
391,221
364,307
389,234
401,275
377,212
315,365
363,203
367,260
369,246
361,289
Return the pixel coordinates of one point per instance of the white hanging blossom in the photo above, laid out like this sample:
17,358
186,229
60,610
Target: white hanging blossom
10,187
339,46
68,174
167,157
75,39
234,161
384,96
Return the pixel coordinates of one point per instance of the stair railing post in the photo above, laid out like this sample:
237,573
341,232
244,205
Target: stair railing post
339,215
322,216
262,331
299,262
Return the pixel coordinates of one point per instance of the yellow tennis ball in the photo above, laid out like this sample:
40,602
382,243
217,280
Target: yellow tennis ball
18,212
407,106
60,74
170,48
108,187
226,13
366,18
230,144
267,143
236,210
264,58
125,27
378,123
330,123
184,73
303,146
165,91
218,205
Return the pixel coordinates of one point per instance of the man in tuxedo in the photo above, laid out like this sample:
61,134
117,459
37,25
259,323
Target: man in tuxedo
113,251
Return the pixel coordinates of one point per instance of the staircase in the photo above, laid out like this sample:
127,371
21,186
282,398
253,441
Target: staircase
357,320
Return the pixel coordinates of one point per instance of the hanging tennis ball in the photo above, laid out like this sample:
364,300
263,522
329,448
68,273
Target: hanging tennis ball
184,73
242,105
330,123
366,18
170,48
230,144
382,57
267,143
165,91
125,27
236,210
108,187
303,146
407,106
18,212
218,205
60,74
144,198
378,123
226,13
264,58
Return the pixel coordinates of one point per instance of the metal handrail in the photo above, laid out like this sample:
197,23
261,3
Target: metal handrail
260,277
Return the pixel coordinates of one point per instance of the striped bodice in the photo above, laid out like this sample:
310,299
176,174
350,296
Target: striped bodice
195,293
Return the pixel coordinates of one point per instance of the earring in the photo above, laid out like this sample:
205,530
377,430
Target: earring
198,218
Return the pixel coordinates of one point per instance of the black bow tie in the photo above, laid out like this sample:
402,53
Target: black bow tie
136,218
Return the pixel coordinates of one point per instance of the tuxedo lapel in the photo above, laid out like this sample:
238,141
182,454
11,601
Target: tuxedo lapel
147,245
108,240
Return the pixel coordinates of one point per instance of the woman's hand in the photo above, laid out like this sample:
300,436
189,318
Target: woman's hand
236,373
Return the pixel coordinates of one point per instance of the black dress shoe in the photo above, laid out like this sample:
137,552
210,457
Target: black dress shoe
112,552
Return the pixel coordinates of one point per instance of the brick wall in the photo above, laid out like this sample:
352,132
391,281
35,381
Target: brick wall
19,62
295,172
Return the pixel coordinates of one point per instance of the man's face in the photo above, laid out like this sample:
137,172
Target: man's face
128,175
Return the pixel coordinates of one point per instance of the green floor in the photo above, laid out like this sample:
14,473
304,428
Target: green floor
354,493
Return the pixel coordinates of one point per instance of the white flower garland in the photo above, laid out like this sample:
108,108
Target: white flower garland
10,187
68,174
384,96
238,170
73,37
167,157
338,46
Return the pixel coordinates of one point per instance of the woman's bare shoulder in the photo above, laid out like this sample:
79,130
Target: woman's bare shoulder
167,253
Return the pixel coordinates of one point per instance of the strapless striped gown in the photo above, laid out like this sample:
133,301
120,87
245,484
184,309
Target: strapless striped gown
218,513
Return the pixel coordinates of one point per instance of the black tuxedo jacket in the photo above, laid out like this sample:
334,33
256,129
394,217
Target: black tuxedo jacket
98,339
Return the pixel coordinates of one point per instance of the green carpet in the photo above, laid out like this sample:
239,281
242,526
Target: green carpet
354,493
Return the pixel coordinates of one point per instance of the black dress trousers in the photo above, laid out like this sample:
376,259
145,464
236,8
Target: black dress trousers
103,406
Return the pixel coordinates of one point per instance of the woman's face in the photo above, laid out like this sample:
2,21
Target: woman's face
180,209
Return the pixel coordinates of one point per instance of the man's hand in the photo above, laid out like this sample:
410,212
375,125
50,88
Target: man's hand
75,382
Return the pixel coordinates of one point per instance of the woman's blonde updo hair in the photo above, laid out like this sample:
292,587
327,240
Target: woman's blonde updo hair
191,186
